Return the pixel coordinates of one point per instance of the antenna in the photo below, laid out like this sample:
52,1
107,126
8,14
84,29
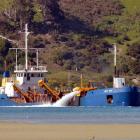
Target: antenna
16,58
115,59
26,46
81,80
37,58
25,49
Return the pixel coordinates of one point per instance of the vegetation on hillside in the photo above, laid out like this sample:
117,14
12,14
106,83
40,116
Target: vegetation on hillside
76,36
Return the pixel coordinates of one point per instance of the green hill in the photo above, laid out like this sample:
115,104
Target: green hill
131,5
76,36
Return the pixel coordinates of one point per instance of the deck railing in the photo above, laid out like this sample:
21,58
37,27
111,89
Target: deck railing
31,68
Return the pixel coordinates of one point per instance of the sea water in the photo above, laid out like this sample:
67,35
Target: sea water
85,115
57,113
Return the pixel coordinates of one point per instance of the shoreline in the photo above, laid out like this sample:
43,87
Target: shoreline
63,123
32,131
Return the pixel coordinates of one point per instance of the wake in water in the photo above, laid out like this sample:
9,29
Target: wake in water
61,102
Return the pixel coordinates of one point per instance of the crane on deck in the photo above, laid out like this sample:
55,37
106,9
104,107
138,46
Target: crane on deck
22,94
55,95
29,97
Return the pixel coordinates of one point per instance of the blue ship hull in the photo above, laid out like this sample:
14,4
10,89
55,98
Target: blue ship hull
126,96
8,102
137,96
5,101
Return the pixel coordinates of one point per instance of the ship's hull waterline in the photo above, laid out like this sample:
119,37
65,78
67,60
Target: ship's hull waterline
126,96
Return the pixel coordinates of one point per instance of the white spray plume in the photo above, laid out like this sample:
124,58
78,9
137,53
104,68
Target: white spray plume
61,102
65,99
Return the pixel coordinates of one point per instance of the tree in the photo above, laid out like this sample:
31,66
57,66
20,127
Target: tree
134,52
19,12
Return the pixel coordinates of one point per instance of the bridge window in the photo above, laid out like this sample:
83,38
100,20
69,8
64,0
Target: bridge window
32,75
28,77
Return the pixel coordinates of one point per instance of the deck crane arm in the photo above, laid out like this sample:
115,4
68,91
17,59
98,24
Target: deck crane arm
54,93
83,91
22,94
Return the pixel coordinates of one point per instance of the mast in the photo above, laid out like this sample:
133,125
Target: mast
26,46
5,65
26,49
37,63
115,60
16,59
81,80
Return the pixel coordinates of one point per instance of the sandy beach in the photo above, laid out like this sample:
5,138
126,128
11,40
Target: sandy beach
27,131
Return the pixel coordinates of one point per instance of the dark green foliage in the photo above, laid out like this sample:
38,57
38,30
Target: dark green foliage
91,11
126,38
134,52
125,68
109,78
39,43
135,67
4,48
74,34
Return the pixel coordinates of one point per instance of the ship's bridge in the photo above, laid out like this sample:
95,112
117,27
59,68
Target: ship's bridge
28,78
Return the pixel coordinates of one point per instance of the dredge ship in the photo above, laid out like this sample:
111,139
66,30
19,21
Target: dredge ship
29,87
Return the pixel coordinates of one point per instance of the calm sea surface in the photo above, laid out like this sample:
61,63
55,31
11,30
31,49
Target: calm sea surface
94,115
